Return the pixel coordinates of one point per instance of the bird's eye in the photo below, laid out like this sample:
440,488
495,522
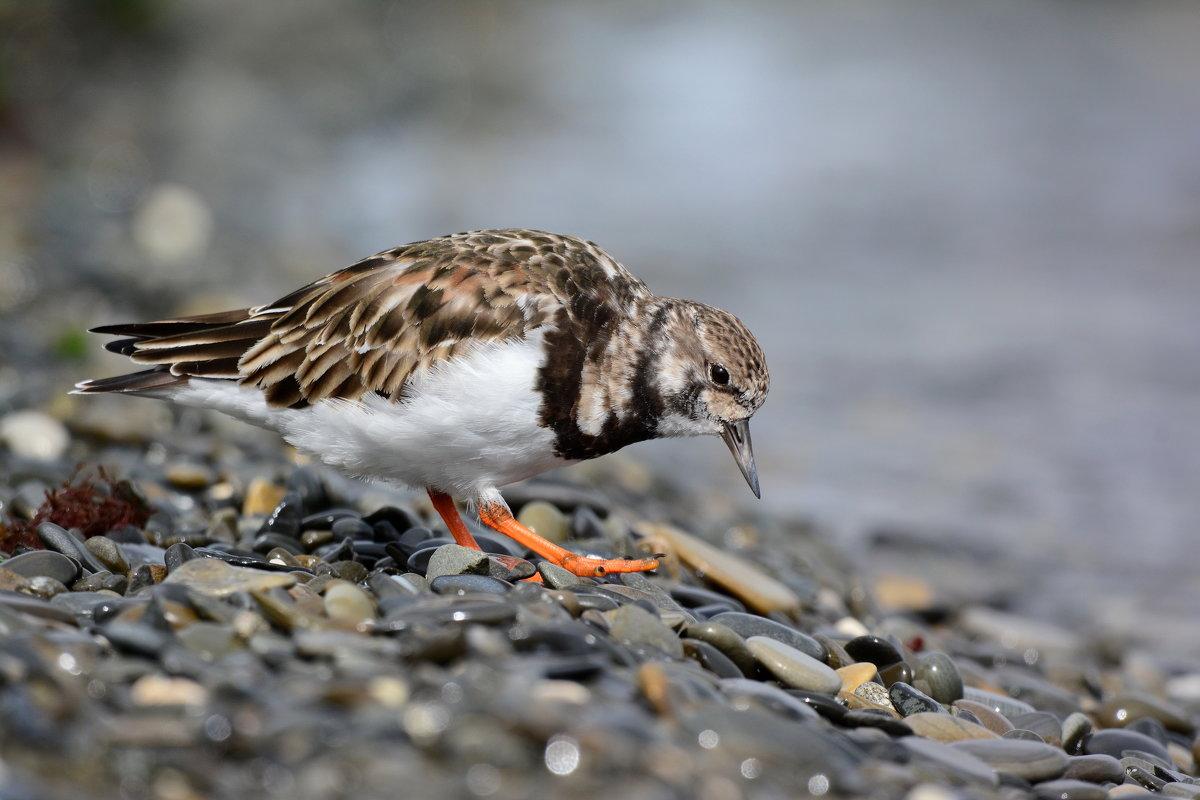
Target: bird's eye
719,374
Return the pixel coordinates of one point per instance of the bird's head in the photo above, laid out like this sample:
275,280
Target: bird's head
712,378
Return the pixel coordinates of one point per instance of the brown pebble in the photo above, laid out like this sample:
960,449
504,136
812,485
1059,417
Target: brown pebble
261,497
946,728
995,722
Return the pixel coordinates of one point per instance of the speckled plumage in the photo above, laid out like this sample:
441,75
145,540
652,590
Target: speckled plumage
611,363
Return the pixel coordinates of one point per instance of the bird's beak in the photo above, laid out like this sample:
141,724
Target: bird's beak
737,437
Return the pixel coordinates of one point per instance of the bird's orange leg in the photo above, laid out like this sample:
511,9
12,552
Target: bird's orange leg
497,517
449,514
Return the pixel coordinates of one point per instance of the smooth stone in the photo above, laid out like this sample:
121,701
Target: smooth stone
270,540
1068,789
828,707
836,655
945,727
898,672
958,762
510,568
747,625
696,597
1075,728
1008,706
545,520
262,496
772,697
140,639
633,624
1181,789
57,538
995,722
1152,728
46,587
874,649
99,581
32,605
353,527
739,577
886,723
177,554
727,640
794,667
345,602
1023,735
215,577
107,553
402,519
47,563
941,675
188,475
454,559
712,659
1143,777
34,435
312,539
556,577
908,700
1043,723
1095,769
1122,709
1115,741
855,675
591,601
1031,761
468,584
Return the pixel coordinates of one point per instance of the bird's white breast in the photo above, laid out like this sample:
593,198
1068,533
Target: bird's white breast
465,425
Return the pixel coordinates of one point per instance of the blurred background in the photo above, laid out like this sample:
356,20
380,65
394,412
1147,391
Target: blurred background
966,233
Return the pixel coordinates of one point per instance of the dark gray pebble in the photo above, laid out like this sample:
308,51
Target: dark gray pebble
177,554
60,540
140,639
108,553
285,519
1022,735
353,527
941,676
696,597
1030,761
711,659
908,700
1115,741
49,563
747,625
865,718
509,568
770,696
1067,789
468,584
1095,769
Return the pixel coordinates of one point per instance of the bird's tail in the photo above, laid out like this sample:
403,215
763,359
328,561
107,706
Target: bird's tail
149,382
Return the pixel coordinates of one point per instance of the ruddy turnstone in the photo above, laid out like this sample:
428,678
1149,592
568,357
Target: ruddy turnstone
464,363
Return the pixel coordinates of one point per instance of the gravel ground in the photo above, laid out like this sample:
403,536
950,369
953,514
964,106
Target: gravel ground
210,617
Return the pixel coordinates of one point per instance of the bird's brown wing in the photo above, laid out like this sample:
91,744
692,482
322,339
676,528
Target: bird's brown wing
367,327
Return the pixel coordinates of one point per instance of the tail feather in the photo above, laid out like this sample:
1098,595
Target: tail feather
150,381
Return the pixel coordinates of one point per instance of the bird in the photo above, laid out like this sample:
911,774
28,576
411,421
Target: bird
461,364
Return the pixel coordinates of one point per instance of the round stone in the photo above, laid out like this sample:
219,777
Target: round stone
468,584
1075,728
747,625
793,667
1030,761
855,675
46,563
1095,769
34,435
345,602
941,675
1115,741
1121,710
946,728
454,559
711,659
996,723
633,624
727,640
1001,704
875,649
900,671
545,520
108,553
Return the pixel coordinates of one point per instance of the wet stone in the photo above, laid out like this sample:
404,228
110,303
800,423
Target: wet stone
312,539
747,625
793,667
1124,709
60,540
1007,706
1095,769
941,675
1067,789
727,640
454,559
469,584
102,580
215,577
946,728
177,554
46,563
908,700
711,658
632,624
874,649
899,672
835,655
556,577
1115,741
345,602
1075,728
1030,761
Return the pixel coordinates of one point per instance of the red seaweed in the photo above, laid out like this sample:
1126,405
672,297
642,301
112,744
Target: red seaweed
93,504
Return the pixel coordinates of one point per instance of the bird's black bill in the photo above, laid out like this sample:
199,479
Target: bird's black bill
737,437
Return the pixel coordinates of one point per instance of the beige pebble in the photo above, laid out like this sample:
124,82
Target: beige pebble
545,520
215,577
945,728
738,576
158,690
855,675
261,497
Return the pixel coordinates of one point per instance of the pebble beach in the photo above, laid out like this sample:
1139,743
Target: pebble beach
186,612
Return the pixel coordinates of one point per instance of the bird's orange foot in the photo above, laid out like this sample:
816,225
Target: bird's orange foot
497,517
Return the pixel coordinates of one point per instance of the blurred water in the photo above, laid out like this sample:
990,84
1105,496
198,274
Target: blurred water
966,233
